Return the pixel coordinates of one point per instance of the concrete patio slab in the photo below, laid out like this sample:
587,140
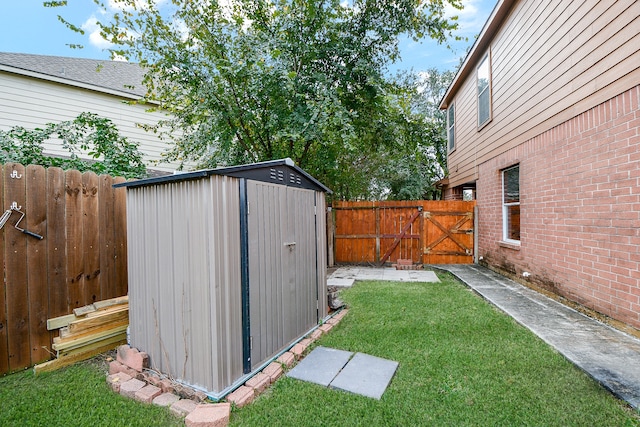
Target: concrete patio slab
340,283
366,375
321,365
390,274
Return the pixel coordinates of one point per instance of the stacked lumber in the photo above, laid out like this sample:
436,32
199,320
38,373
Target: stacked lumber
88,331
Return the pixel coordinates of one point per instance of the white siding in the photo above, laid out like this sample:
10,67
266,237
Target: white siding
31,103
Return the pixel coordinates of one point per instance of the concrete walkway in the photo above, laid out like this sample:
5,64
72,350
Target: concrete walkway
608,355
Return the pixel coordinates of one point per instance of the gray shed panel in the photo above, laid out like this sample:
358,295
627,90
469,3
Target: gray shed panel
184,265
282,267
321,255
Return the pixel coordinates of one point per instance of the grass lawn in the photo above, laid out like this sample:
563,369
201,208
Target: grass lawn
74,396
461,363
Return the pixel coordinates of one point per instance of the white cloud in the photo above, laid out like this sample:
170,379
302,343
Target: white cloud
472,17
91,27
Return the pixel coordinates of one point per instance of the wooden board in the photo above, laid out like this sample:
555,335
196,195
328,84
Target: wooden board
4,349
106,220
91,238
71,343
75,263
36,221
74,357
120,257
55,240
17,293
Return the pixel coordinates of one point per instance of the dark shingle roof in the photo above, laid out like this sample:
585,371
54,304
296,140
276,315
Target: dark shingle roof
109,75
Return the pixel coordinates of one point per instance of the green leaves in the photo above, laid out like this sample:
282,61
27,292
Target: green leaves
87,134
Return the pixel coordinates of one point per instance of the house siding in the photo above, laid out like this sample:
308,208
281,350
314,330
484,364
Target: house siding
31,103
551,60
580,209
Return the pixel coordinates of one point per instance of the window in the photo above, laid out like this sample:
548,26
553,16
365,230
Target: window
511,204
484,91
451,127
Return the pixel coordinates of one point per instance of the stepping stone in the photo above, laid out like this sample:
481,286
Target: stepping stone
366,375
321,365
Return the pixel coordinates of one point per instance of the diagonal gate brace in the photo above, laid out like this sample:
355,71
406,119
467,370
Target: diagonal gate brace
399,237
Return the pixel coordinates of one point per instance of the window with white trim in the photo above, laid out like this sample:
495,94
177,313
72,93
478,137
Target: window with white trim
483,73
451,127
511,204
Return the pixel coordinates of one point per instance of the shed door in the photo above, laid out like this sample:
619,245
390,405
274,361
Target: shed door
282,266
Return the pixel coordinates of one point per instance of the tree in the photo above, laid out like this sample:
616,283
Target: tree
88,133
414,175
253,80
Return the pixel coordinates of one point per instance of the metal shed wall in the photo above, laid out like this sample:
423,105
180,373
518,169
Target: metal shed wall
284,250
322,258
185,279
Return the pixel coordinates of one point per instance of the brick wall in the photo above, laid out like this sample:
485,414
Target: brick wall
580,209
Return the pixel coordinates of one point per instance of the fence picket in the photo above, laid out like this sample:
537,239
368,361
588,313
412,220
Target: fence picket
120,217
73,219
17,304
56,245
4,348
106,233
90,238
35,221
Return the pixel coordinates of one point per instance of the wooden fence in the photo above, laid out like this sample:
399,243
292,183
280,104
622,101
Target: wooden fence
81,259
428,232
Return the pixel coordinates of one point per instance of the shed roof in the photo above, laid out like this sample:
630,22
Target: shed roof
114,77
271,171
490,29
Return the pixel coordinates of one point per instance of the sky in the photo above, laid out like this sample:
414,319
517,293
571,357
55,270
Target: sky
26,26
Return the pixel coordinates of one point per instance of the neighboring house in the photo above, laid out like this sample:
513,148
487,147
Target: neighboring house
36,90
544,127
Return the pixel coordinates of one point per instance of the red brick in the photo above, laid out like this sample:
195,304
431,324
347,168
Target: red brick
183,407
274,371
209,415
165,399
325,327
132,357
129,388
115,367
298,350
306,342
259,382
166,386
242,396
147,394
115,380
287,359
315,334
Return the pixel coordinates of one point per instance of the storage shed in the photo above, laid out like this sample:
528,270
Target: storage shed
227,269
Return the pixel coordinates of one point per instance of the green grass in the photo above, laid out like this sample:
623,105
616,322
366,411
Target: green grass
461,363
74,396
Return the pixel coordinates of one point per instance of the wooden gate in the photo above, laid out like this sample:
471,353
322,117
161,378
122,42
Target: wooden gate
427,232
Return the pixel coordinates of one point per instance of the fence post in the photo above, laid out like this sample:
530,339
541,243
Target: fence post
331,236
